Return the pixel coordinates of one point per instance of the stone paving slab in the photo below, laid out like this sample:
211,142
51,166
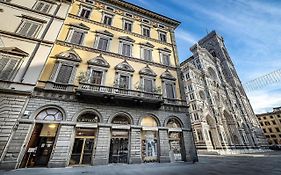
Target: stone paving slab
249,164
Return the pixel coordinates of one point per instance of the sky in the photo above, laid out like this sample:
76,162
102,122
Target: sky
251,30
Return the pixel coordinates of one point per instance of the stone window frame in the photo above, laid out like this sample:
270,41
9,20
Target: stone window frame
164,33
152,78
143,27
104,36
124,21
107,14
118,74
33,22
163,52
12,74
71,31
56,70
121,43
92,68
142,48
81,7
45,3
173,83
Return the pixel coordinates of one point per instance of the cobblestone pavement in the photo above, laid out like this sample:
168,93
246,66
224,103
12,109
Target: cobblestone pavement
253,164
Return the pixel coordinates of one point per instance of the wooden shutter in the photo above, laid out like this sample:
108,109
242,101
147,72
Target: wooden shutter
170,90
39,6
166,59
64,74
126,50
76,37
124,82
148,85
32,30
7,66
96,77
46,8
25,27
103,44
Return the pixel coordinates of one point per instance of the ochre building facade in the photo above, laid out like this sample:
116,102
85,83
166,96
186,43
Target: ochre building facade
110,92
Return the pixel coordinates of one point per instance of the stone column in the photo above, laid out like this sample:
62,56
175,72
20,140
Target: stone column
62,147
164,145
135,156
102,146
191,153
15,147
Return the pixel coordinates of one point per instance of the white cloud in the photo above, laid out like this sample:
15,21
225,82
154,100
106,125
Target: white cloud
184,35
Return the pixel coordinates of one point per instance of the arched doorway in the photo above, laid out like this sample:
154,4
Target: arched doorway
85,137
42,140
149,139
119,144
212,132
175,139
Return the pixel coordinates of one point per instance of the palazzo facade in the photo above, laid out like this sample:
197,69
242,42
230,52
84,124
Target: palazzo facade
109,92
221,114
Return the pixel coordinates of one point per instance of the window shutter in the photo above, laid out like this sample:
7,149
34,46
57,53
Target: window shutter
25,28
102,44
9,65
46,8
96,77
32,30
76,37
148,85
169,90
64,74
39,6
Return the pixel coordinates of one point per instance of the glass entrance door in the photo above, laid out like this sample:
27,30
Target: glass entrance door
83,147
119,147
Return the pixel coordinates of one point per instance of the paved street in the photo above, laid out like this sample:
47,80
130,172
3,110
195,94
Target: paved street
252,164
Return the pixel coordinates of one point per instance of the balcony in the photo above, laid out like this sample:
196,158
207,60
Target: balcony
58,86
115,93
175,102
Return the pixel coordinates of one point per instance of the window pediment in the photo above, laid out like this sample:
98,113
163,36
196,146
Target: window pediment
80,25
147,71
126,38
125,66
99,61
147,44
70,55
165,49
167,75
13,51
104,32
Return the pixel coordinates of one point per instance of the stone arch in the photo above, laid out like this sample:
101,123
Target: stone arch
46,107
152,116
212,73
122,113
88,110
231,126
213,132
176,120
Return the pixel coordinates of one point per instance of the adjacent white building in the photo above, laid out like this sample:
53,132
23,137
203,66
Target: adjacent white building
221,114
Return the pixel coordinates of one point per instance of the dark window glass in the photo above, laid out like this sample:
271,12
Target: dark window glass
107,20
103,42
124,82
64,74
170,90
148,85
77,37
96,77
126,50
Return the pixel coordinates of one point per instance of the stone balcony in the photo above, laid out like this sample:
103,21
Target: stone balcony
115,93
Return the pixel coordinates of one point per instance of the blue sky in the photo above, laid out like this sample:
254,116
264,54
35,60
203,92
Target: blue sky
251,30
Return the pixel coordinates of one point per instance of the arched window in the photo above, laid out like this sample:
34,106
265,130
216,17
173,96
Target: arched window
173,123
50,114
148,121
121,120
89,117
212,73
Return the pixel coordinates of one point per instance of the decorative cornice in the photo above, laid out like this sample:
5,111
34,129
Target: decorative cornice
13,51
147,44
124,66
32,18
104,32
119,30
25,37
99,61
69,55
167,75
126,38
90,49
147,71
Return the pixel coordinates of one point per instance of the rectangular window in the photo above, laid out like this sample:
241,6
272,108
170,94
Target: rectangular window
42,6
146,31
273,122
170,90
270,130
7,67
277,129
147,54
124,81
128,25
103,44
77,37
64,74
107,19
85,12
96,77
166,59
163,36
148,85
28,28
126,49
